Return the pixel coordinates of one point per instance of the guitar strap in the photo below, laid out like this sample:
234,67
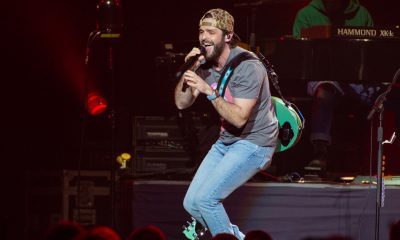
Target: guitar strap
285,131
228,71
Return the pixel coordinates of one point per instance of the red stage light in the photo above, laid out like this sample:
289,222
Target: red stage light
96,103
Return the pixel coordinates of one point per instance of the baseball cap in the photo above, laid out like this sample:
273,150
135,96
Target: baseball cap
219,18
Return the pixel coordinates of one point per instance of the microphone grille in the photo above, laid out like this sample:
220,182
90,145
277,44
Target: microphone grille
202,50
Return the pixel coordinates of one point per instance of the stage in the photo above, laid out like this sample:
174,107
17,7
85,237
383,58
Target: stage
288,211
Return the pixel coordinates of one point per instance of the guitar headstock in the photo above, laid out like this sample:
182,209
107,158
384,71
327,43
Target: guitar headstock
193,230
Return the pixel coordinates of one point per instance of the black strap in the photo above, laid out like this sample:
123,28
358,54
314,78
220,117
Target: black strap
229,68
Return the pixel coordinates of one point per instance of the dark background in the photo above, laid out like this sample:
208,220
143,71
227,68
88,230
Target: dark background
43,74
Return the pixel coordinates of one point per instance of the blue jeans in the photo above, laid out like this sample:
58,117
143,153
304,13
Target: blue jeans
224,169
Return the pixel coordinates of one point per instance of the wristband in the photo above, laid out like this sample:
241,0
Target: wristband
214,95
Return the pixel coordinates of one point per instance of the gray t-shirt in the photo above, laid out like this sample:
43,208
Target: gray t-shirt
249,81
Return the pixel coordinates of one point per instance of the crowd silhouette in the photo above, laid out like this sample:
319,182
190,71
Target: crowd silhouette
69,230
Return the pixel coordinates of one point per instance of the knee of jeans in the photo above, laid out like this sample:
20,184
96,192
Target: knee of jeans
189,204
205,201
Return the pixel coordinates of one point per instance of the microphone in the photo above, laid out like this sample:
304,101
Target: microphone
187,65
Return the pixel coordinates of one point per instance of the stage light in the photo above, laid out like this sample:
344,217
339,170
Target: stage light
96,103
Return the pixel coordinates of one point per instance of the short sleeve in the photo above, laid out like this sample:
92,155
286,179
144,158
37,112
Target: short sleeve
247,80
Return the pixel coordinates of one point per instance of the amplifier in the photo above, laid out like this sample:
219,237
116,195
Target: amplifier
154,160
162,143
164,128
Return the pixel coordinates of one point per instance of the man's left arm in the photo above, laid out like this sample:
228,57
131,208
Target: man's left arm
236,113
245,92
248,83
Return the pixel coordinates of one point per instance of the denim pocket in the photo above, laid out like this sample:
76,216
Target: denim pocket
261,157
265,156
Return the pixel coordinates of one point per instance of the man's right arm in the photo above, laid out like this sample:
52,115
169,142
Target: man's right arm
184,99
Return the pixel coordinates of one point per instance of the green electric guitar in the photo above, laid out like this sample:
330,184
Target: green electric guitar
194,230
291,124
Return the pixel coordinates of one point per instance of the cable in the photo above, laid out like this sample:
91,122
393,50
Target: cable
274,80
269,175
92,36
271,74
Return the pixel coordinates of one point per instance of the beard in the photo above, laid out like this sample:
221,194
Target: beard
216,53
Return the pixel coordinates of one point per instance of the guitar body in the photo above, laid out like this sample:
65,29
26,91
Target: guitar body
290,125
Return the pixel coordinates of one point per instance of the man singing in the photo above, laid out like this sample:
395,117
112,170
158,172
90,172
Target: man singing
249,126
